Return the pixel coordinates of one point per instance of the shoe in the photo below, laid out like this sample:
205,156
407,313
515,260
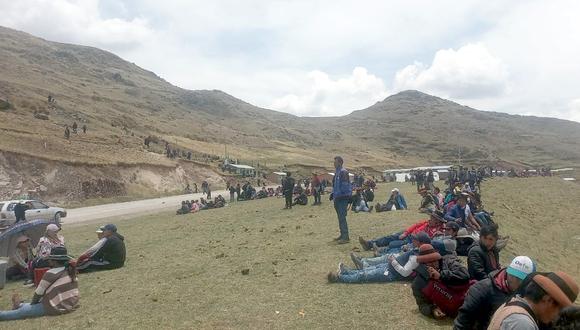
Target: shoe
332,277
342,268
337,238
363,243
343,241
356,260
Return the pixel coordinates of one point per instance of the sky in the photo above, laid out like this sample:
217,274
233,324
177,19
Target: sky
328,58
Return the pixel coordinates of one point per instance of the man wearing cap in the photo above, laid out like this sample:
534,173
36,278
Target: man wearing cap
543,299
432,227
107,253
395,200
434,276
341,195
485,296
447,243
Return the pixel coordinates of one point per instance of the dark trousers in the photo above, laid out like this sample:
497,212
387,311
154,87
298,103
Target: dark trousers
20,217
317,197
341,206
288,197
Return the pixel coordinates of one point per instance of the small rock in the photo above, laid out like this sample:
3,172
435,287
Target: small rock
245,271
298,227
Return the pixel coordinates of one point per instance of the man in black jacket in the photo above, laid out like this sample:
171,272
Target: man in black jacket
288,189
108,253
485,297
20,211
483,258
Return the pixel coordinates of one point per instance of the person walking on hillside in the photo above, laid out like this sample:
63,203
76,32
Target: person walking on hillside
85,129
66,132
341,195
74,127
288,189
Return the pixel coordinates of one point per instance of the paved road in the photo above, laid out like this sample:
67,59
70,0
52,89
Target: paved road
155,205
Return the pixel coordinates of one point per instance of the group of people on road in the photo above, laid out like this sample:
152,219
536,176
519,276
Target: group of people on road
49,266
481,295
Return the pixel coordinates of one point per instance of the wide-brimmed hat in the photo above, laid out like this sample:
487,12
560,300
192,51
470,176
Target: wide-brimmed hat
438,215
59,253
22,238
560,286
427,254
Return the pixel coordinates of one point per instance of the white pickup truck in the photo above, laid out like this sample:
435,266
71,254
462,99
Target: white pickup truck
37,210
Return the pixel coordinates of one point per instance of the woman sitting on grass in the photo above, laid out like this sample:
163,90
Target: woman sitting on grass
56,294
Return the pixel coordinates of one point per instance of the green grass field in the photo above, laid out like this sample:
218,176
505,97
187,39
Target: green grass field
185,271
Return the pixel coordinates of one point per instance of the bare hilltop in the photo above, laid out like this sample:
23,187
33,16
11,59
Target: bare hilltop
121,104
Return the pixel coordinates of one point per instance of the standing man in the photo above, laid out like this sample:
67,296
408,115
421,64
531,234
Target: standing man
20,212
288,189
341,194
315,184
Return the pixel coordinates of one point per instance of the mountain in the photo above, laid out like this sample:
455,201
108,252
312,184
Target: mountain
121,104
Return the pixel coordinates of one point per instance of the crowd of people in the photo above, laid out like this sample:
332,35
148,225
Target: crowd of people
480,295
54,272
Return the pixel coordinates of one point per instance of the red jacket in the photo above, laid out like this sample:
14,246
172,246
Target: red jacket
423,226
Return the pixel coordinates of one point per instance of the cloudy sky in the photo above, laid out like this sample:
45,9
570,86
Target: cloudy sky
324,58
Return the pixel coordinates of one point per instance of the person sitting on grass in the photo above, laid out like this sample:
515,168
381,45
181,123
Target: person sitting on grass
56,294
485,296
483,258
360,203
432,227
219,201
544,298
394,268
301,199
195,206
428,202
184,208
396,202
108,253
440,284
50,240
18,262
461,213
417,239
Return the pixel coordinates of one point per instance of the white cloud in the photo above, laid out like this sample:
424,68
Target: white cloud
516,56
471,72
325,96
75,21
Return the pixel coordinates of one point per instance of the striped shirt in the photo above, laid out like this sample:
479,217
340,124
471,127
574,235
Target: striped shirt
59,293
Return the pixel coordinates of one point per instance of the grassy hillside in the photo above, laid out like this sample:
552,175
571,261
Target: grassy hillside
185,271
122,103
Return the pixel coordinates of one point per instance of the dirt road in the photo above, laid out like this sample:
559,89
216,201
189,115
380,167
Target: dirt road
131,209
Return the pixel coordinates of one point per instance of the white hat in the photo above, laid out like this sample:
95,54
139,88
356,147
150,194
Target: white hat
52,227
521,267
395,189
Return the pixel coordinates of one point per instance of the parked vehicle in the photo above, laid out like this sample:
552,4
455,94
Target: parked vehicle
38,210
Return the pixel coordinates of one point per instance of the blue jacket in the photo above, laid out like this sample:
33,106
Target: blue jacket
341,187
455,212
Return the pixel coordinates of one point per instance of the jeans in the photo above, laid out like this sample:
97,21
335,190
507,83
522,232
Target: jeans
316,196
385,241
368,262
231,197
25,311
341,206
367,275
288,198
